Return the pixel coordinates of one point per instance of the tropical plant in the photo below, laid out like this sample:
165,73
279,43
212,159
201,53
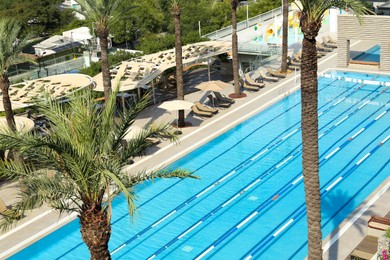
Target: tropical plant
312,14
11,47
237,91
283,68
176,12
78,165
102,13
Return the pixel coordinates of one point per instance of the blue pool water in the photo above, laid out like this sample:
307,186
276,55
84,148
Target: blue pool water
372,54
250,199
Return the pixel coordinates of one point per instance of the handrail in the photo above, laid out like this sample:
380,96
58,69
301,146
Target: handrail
244,24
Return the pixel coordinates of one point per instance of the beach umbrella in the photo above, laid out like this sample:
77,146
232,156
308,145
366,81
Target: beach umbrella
214,85
176,105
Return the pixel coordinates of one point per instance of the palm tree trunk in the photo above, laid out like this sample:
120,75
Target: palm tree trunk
237,92
285,37
176,11
105,66
309,123
95,230
4,86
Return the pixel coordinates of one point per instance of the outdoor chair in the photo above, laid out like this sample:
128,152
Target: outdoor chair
250,81
331,40
275,73
327,43
293,64
267,78
215,102
222,98
246,86
321,47
201,107
200,113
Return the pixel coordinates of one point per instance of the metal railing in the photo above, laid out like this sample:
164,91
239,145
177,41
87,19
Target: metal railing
49,68
244,24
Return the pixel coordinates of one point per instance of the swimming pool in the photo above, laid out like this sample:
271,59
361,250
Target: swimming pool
250,200
371,55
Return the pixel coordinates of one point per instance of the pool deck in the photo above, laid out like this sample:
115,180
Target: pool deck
42,221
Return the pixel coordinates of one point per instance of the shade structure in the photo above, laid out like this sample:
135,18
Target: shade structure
214,85
23,124
176,105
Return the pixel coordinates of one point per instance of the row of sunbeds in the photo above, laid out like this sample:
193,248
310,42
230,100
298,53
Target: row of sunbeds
218,100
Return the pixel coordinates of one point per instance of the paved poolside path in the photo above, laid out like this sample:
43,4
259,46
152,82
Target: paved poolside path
42,220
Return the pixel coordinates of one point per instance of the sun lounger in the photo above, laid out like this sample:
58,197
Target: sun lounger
267,78
297,57
222,98
379,223
321,47
327,43
205,109
246,86
293,64
331,40
215,102
366,249
275,73
200,113
6,212
250,81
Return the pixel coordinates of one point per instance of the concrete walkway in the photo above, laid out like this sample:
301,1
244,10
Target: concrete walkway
42,221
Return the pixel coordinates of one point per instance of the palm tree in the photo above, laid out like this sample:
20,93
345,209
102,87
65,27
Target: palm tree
312,13
176,12
284,36
102,13
237,91
78,166
11,47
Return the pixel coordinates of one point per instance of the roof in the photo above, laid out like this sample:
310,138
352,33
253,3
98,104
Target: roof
139,72
28,93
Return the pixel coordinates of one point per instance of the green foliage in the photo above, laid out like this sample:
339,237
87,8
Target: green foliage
388,233
83,156
36,16
94,69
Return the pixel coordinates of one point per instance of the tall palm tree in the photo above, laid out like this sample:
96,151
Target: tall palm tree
284,36
102,13
176,12
312,13
237,91
11,46
86,153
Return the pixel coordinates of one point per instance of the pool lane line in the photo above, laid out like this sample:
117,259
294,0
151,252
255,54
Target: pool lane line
276,166
216,133
323,224
216,181
239,167
299,212
267,202
236,169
